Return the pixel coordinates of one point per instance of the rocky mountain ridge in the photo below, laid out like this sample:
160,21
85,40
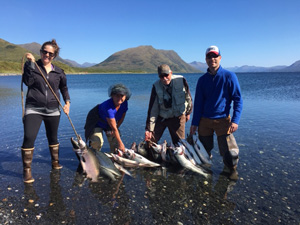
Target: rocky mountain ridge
141,59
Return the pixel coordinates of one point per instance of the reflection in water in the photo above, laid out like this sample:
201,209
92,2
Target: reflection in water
224,184
79,176
187,197
111,198
30,196
56,209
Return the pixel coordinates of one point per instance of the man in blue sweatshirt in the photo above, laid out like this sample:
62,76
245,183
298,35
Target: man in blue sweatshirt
215,92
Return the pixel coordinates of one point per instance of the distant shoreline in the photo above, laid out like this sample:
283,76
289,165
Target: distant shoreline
9,74
18,74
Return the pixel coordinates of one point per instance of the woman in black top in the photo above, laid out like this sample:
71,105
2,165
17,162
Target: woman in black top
41,105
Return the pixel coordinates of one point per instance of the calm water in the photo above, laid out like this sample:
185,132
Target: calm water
266,193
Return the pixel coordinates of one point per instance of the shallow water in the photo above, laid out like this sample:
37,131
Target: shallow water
267,190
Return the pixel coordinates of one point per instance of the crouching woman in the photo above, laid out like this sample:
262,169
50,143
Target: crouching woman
107,117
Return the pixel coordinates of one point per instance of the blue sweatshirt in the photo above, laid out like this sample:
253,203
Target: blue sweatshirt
214,94
107,109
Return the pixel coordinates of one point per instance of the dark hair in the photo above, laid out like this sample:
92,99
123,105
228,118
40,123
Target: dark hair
54,45
119,89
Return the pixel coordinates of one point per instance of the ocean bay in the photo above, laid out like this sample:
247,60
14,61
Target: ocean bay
267,191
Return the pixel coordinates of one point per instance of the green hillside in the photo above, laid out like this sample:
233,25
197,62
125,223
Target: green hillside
142,59
11,59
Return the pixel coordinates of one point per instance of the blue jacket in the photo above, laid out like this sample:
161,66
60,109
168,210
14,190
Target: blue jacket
214,94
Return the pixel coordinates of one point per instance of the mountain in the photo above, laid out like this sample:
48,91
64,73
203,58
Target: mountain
11,56
254,69
35,48
11,52
199,65
32,47
144,59
70,62
295,67
87,64
73,63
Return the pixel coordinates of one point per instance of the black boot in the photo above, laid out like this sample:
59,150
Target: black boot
27,155
54,151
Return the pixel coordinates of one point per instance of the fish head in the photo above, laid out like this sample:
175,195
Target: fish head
79,146
180,149
156,147
142,148
88,160
119,152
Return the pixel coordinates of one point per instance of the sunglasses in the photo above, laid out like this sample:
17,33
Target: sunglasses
163,75
211,56
51,54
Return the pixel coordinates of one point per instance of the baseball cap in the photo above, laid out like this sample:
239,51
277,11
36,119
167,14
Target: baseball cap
163,69
213,49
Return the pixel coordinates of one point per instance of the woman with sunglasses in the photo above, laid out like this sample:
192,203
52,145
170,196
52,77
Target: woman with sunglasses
41,104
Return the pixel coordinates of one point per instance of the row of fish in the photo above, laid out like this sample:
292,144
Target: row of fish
109,164
188,153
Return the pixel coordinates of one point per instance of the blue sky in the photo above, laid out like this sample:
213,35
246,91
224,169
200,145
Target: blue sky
255,32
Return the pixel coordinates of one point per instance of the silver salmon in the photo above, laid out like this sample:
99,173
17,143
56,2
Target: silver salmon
93,163
186,163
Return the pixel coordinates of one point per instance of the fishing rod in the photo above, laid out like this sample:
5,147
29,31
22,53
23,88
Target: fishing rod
78,137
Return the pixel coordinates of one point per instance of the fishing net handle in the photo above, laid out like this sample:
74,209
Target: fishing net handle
22,92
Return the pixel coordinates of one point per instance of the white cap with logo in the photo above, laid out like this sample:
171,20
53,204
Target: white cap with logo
213,49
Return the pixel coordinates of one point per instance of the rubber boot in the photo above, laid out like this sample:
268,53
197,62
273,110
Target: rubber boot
27,155
228,149
230,152
54,151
